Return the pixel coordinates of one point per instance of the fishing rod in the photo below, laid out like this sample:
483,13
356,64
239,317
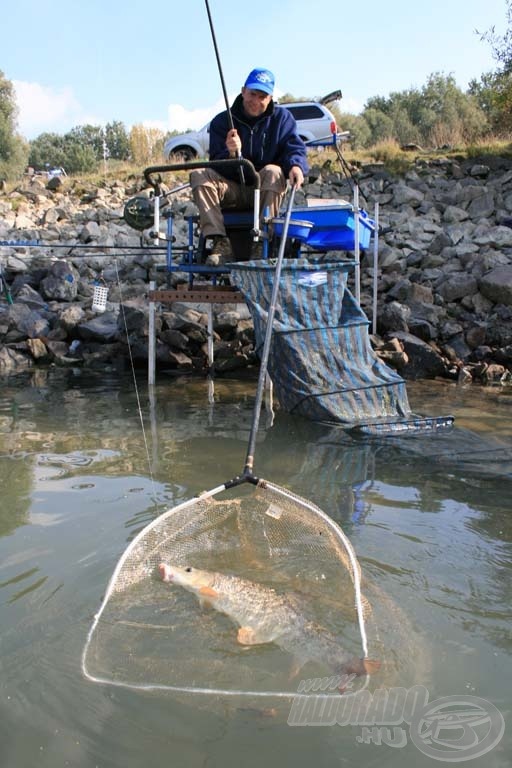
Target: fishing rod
221,75
347,170
230,116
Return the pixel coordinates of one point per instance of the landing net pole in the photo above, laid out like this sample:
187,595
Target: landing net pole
249,461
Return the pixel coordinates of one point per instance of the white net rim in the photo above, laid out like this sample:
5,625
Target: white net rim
199,690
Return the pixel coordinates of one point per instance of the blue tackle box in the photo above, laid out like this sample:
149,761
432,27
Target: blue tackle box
334,226
297,228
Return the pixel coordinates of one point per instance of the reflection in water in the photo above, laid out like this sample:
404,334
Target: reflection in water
20,579
429,518
75,458
16,485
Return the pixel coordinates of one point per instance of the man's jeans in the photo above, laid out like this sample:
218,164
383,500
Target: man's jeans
213,193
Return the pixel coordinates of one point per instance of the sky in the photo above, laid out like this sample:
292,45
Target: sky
73,62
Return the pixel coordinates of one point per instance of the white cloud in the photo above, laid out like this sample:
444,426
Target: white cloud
44,109
181,119
351,105
159,125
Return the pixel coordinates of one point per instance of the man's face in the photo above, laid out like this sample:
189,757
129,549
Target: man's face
255,102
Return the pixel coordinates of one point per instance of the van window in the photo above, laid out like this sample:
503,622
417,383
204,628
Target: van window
306,112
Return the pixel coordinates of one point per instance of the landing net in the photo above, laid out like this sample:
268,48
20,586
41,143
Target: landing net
152,635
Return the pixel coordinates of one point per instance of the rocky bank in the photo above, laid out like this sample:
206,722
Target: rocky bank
444,275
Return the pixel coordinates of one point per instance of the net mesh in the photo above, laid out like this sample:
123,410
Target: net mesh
321,362
149,634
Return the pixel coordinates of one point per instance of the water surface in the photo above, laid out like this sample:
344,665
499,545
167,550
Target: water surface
428,516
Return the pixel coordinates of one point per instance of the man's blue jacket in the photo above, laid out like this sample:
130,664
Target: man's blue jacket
271,139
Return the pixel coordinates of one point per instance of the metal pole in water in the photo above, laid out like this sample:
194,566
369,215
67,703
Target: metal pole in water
210,353
357,255
375,267
154,430
151,338
155,234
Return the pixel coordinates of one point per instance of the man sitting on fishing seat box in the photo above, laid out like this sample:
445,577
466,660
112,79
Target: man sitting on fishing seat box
264,133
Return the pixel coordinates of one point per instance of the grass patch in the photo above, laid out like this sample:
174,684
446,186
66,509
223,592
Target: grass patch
126,171
396,160
388,153
498,146
16,202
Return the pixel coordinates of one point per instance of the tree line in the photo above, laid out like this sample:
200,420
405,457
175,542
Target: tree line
437,114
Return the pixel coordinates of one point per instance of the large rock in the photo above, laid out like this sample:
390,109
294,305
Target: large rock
133,317
61,282
13,362
25,323
37,349
102,328
30,297
499,236
424,362
71,316
389,257
482,207
91,232
497,285
175,339
453,214
457,285
394,316
405,195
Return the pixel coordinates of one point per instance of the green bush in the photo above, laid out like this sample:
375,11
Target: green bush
81,149
13,149
422,116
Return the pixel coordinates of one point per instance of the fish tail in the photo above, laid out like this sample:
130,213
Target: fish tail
371,666
164,571
361,666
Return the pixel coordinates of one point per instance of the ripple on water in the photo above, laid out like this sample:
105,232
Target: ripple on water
76,458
